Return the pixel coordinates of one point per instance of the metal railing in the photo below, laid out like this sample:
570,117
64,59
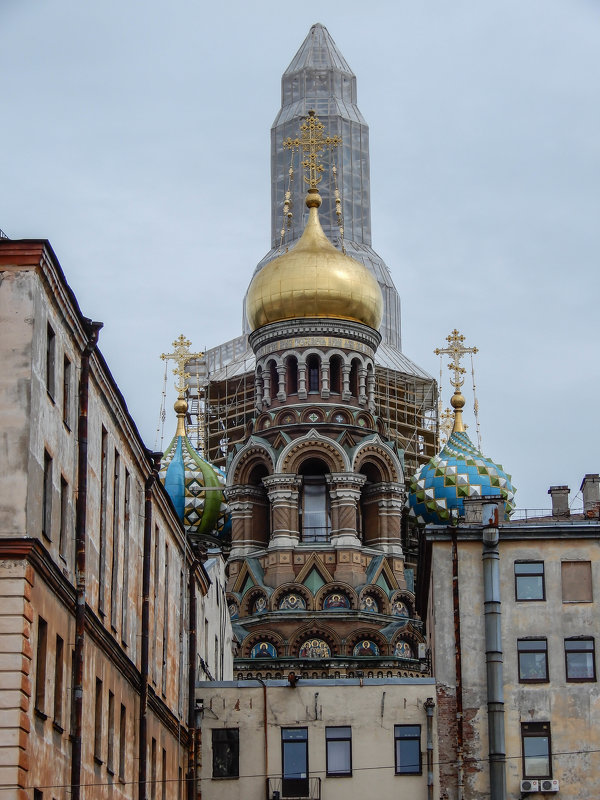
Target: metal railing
302,789
524,514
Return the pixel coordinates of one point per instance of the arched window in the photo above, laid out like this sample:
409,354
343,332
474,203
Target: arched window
291,375
313,369
261,512
354,378
335,374
314,509
369,510
274,379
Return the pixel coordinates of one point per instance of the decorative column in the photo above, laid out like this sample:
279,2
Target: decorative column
346,382
281,395
259,391
324,379
302,380
383,504
362,390
283,491
371,390
344,494
242,501
266,400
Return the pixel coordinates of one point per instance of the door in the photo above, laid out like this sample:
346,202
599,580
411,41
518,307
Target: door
294,759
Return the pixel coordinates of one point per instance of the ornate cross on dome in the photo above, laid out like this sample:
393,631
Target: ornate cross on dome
312,142
455,350
181,356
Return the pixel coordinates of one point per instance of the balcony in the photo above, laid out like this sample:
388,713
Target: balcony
291,789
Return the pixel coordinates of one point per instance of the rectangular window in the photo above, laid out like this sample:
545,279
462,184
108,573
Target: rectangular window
122,742
339,751
576,578
533,660
103,512
66,398
110,756
156,606
114,577
50,361
166,599
537,762
580,660
226,753
529,580
64,516
164,775
126,534
47,497
59,670
153,771
98,723
294,747
40,667
407,741
73,680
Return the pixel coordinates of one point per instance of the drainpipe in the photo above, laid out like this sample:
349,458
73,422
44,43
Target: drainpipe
458,669
264,687
143,727
429,706
493,651
192,783
92,331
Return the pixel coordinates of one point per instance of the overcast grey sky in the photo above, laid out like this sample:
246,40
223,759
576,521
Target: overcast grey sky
135,137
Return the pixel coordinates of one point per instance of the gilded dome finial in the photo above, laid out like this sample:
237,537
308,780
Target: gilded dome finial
456,350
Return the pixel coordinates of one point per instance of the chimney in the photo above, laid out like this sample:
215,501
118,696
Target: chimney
560,501
590,486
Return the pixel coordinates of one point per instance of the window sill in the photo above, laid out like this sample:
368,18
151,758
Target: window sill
52,400
58,727
67,426
226,778
40,714
98,761
338,775
110,770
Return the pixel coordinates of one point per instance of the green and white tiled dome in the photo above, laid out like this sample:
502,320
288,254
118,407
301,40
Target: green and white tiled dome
459,471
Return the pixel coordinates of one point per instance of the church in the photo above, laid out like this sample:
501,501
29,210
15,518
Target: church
308,594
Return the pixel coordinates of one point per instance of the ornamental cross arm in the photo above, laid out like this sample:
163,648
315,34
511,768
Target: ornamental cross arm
181,355
455,351
312,142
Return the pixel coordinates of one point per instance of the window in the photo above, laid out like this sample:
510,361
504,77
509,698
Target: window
226,753
407,741
110,757
47,497
580,660
533,660
294,759
291,375
339,751
103,510
40,667
165,646
98,723
64,516
576,581
50,360
122,742
536,750
153,771
114,576
164,775
58,682
529,580
335,374
66,398
313,366
124,593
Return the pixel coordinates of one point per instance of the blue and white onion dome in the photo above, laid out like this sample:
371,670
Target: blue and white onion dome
193,485
459,471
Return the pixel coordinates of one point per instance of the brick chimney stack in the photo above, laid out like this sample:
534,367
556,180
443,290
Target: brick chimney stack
560,501
590,487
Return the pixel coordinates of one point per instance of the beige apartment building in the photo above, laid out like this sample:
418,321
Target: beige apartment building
107,616
329,739
514,650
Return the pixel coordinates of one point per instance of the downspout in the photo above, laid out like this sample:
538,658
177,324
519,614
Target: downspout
264,688
458,669
143,727
429,706
493,651
92,331
193,743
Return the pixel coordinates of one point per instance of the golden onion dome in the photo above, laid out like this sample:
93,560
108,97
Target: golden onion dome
314,279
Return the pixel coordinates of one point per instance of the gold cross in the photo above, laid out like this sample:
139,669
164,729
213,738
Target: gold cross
312,142
181,356
456,350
